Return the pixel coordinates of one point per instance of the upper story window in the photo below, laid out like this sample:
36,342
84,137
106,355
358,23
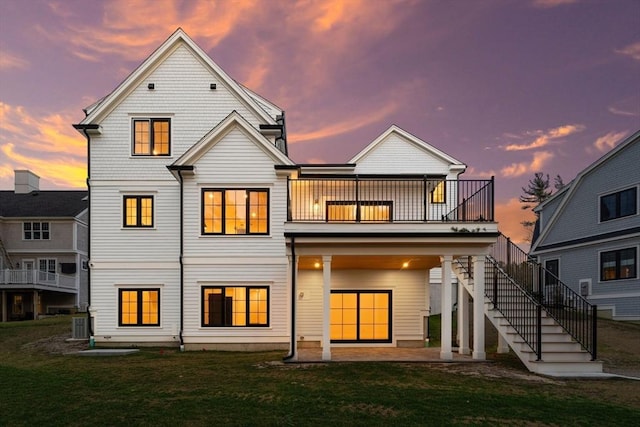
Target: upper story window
618,264
439,192
47,264
235,211
138,211
35,230
151,137
617,205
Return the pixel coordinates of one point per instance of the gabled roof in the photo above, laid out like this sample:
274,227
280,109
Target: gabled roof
232,121
568,192
410,138
42,204
97,111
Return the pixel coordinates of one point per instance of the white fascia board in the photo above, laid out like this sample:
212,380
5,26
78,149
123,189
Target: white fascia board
412,139
153,61
220,130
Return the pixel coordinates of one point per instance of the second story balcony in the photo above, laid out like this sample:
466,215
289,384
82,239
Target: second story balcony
35,279
390,200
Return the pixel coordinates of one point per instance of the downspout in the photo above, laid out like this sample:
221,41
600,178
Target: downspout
181,255
84,129
292,351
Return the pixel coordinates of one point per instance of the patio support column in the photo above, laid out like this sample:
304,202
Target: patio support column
463,320
427,306
446,327
503,345
326,307
478,308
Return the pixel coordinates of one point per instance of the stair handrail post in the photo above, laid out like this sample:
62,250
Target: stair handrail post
357,199
539,331
508,252
424,198
495,288
594,331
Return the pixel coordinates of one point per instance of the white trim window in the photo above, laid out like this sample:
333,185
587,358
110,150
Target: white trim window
619,264
35,230
619,204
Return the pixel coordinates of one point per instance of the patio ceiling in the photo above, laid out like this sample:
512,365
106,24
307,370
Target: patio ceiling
371,262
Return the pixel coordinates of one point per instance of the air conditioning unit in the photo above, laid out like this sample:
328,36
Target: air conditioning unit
79,330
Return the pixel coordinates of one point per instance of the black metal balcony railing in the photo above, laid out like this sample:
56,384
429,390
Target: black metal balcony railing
360,199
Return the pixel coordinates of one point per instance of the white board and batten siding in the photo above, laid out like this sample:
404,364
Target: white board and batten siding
148,258
269,274
408,299
105,284
193,108
396,155
235,161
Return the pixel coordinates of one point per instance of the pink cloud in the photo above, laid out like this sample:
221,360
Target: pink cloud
10,60
548,4
632,51
546,137
540,159
46,144
608,141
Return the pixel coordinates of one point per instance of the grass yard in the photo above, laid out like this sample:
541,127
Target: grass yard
165,387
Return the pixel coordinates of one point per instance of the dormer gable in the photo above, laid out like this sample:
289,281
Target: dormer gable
262,109
187,161
396,151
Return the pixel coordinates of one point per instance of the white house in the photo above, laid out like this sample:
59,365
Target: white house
205,234
589,232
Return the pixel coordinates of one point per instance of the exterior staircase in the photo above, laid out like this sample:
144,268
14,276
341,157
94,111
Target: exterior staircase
548,326
5,256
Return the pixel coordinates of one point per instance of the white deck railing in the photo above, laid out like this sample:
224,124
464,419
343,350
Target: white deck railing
36,277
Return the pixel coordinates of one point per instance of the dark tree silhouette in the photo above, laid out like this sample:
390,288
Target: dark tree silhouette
536,192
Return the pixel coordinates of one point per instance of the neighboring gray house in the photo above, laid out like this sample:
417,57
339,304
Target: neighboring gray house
589,232
43,250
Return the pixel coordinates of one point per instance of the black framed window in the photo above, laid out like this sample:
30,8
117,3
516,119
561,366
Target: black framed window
439,192
235,211
620,204
552,271
35,231
235,306
370,211
138,211
619,264
139,307
151,137
360,316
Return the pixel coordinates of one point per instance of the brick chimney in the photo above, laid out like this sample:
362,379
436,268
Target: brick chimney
26,182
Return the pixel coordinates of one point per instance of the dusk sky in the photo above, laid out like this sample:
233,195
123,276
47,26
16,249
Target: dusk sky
509,87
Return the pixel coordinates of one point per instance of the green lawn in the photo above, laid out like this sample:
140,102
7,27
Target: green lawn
165,387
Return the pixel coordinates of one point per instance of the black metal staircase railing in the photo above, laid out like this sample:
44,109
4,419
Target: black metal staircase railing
510,271
517,306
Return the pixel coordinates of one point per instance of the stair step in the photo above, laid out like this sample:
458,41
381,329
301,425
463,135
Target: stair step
566,368
551,357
